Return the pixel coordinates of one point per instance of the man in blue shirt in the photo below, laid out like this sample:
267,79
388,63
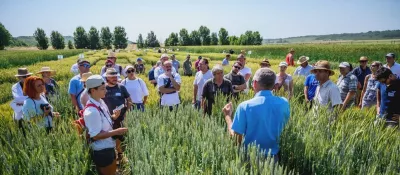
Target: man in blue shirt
361,72
225,62
261,119
75,87
310,85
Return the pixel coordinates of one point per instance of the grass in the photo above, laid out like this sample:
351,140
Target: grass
160,142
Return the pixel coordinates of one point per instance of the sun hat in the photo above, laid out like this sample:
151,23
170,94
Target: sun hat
94,81
283,64
46,69
323,65
344,64
303,59
23,72
112,55
391,55
363,58
85,76
111,72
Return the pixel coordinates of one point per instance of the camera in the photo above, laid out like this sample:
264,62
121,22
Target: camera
47,107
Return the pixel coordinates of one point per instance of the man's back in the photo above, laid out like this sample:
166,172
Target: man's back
262,120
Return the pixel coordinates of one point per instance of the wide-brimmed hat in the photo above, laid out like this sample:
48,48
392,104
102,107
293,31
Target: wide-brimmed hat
46,69
112,55
265,61
85,76
363,58
323,65
23,72
303,59
111,72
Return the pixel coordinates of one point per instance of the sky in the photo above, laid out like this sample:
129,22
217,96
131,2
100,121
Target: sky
273,19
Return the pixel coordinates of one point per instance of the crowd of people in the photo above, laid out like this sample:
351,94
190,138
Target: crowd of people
102,100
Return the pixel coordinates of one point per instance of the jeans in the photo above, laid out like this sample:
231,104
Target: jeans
171,108
197,105
138,106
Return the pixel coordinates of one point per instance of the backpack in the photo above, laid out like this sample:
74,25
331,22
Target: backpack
80,123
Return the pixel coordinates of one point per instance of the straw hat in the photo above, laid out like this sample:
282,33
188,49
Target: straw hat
323,65
302,60
363,58
112,55
111,72
23,72
46,69
265,61
85,76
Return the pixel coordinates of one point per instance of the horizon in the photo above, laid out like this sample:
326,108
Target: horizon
300,19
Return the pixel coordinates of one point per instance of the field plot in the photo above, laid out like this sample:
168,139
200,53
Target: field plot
183,142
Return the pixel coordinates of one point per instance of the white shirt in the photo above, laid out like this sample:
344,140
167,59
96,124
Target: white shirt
287,80
328,94
395,69
97,122
137,89
75,69
245,71
168,99
303,71
19,97
160,70
199,80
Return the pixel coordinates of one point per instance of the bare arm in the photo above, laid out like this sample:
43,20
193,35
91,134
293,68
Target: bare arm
349,96
165,90
74,102
247,77
104,135
378,100
241,87
177,86
363,90
305,90
238,137
290,89
128,103
144,99
195,88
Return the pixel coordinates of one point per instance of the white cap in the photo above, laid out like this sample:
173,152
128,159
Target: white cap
344,64
129,67
283,64
94,81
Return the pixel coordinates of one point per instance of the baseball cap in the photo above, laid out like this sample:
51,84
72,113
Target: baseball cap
344,64
139,59
391,55
83,61
283,64
94,81
200,57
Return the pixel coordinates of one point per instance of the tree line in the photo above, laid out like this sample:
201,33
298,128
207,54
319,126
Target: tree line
93,39
201,37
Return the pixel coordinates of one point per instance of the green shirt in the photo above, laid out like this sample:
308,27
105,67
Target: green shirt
187,67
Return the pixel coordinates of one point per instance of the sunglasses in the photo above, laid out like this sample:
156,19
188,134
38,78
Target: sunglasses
363,61
130,71
237,67
374,65
25,76
85,65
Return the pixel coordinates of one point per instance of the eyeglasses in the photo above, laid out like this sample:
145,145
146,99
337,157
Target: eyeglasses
85,65
237,67
374,65
130,71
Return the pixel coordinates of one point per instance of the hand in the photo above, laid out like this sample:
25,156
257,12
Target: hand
307,101
227,109
378,109
395,117
77,109
360,106
56,114
231,132
168,73
116,113
120,131
193,101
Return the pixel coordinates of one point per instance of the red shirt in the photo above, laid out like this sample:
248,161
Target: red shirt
288,57
196,64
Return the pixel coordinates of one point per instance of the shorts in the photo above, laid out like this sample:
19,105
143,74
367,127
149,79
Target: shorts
104,157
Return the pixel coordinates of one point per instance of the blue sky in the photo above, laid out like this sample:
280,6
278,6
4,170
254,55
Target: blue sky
274,19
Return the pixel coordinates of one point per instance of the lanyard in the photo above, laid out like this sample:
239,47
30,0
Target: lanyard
99,107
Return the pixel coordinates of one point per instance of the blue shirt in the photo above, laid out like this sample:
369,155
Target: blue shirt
361,74
382,89
176,64
225,62
151,74
261,120
303,71
31,108
312,84
76,88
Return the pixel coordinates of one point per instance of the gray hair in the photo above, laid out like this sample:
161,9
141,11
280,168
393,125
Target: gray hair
217,68
164,55
265,78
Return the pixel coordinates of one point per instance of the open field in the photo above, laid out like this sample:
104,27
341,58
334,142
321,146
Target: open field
160,142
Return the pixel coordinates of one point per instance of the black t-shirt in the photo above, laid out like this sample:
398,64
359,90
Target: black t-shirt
139,68
393,98
115,97
235,80
210,89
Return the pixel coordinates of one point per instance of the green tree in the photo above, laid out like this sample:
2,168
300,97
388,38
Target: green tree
195,38
223,37
214,39
205,35
57,40
233,40
151,40
257,38
184,38
40,37
5,37
94,39
106,38
70,45
166,42
173,40
140,43
81,39
120,38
